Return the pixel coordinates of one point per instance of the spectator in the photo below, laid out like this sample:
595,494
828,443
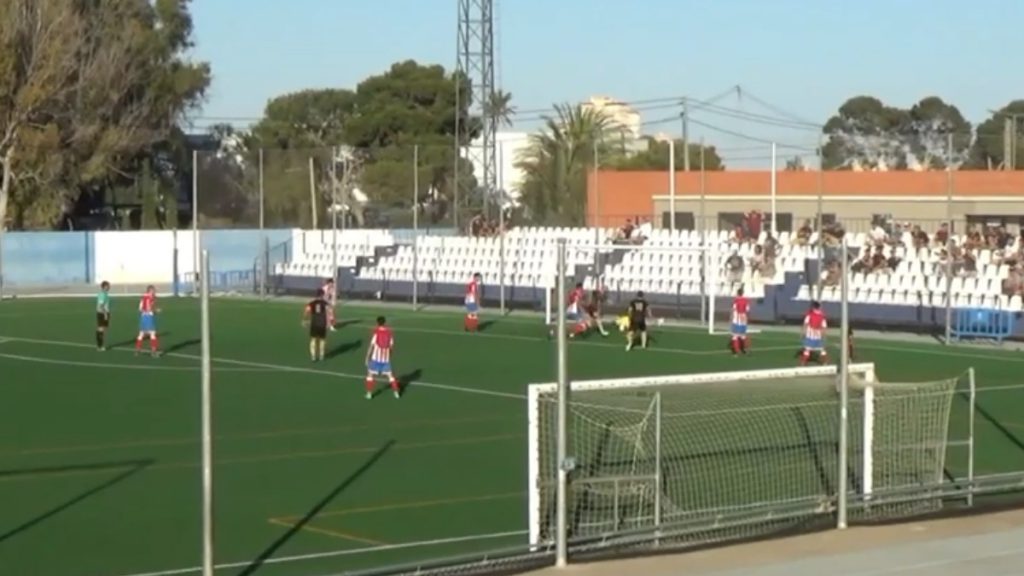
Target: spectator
477,225
737,235
734,266
942,235
1013,284
803,234
753,221
879,263
832,275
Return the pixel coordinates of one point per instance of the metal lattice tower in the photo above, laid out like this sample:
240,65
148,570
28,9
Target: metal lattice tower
476,64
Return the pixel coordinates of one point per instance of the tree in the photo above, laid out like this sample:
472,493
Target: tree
988,150
500,108
656,156
87,90
932,124
374,131
556,161
867,134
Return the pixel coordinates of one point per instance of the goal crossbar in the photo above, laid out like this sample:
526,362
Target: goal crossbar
539,397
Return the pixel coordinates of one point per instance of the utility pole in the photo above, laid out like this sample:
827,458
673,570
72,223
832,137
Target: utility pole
684,118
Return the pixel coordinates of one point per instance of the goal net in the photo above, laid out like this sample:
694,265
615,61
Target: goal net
706,457
680,277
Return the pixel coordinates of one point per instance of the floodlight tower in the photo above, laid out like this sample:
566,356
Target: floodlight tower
475,64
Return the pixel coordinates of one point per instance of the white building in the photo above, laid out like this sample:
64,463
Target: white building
508,147
619,114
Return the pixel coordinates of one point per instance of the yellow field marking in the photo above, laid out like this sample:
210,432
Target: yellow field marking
416,504
161,442
280,457
325,532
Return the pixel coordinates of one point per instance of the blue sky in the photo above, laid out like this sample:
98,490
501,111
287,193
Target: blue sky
804,57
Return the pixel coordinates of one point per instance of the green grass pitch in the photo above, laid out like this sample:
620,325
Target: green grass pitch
100,452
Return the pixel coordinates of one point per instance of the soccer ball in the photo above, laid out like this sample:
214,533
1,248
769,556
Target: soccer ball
623,323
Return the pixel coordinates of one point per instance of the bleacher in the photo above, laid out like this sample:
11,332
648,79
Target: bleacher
667,265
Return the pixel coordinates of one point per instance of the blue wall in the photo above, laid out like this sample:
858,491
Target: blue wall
232,250
44,258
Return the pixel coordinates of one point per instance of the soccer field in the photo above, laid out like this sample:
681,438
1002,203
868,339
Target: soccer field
100,453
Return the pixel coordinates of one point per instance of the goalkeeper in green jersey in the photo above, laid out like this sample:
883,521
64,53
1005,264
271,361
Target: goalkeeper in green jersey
102,315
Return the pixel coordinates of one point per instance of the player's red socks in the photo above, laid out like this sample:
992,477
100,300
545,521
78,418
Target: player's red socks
471,324
394,385
735,345
370,385
153,344
580,328
804,357
138,344
745,344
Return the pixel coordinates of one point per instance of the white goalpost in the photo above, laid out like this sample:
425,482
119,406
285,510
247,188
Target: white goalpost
730,453
690,279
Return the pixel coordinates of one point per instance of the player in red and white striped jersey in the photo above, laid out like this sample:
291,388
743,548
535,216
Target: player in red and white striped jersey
472,302
815,325
378,358
331,296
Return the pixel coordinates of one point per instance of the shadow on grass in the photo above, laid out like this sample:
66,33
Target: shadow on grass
126,343
126,469
343,348
183,345
269,552
1010,435
404,380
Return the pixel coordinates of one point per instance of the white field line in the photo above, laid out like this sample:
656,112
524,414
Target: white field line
338,553
283,368
157,367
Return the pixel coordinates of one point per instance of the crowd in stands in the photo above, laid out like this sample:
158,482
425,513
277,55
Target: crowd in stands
481,227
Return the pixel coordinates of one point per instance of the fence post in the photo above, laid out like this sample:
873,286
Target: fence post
657,465
970,439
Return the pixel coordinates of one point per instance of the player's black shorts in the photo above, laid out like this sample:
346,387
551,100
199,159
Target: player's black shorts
102,320
318,330
638,324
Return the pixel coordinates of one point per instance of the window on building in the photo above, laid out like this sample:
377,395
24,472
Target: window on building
684,220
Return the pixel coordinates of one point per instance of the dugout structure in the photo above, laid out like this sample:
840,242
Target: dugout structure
703,458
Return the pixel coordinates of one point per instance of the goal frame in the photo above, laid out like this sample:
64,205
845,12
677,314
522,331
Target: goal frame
710,259
865,371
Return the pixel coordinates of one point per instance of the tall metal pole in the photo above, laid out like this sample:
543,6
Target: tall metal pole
334,218
821,223
685,117
562,537
844,386
657,461
3,230
196,260
415,226
312,194
774,191
501,227
207,421
264,249
949,241
702,227
597,188
672,185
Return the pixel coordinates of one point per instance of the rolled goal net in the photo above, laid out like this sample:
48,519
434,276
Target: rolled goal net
699,458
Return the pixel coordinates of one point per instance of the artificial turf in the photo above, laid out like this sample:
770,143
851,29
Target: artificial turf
100,452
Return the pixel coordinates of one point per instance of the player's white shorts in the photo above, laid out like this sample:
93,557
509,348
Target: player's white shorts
378,367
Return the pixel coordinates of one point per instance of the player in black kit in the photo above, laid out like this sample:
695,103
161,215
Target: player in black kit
315,316
638,311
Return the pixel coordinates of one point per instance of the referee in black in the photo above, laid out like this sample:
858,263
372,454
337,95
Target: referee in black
315,315
639,311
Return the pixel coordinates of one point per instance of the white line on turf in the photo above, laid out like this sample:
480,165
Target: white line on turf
338,553
40,360
283,368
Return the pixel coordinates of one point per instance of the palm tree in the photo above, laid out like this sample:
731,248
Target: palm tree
556,162
499,109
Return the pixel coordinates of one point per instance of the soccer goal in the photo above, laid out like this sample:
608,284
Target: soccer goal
709,457
684,280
